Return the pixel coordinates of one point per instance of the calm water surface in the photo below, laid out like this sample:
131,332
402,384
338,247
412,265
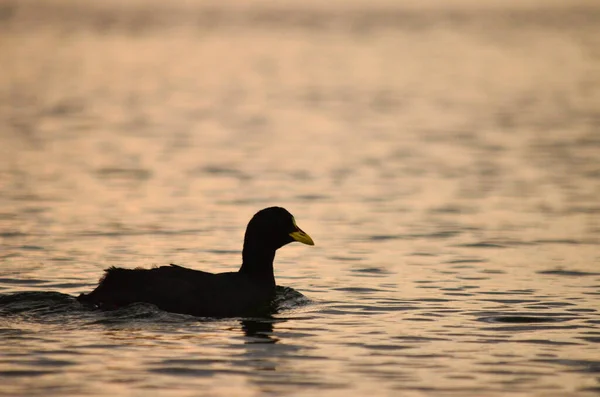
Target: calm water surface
445,159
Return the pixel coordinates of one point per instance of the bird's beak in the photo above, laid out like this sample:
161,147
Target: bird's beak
300,236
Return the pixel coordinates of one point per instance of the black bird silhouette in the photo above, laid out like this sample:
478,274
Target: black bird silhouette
177,289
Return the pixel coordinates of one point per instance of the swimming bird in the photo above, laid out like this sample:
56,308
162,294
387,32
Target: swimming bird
181,290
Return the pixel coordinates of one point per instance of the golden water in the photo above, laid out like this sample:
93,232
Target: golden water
444,156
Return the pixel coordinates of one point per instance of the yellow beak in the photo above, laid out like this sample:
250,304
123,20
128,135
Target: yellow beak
300,236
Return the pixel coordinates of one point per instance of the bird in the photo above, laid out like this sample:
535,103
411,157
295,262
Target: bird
178,289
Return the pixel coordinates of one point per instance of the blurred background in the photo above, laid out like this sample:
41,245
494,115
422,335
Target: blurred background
440,153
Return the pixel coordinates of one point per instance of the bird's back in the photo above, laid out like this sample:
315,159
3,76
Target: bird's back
181,290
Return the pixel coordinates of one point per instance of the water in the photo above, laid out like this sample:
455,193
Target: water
444,157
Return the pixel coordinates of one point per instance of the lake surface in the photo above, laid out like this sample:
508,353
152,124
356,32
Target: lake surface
444,156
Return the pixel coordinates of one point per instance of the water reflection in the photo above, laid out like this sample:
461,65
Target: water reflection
259,330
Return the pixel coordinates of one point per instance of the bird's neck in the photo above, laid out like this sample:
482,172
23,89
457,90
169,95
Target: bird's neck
258,263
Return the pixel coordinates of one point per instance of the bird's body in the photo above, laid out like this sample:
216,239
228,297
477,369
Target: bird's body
181,290
173,288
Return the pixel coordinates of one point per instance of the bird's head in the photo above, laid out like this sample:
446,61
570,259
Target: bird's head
274,227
